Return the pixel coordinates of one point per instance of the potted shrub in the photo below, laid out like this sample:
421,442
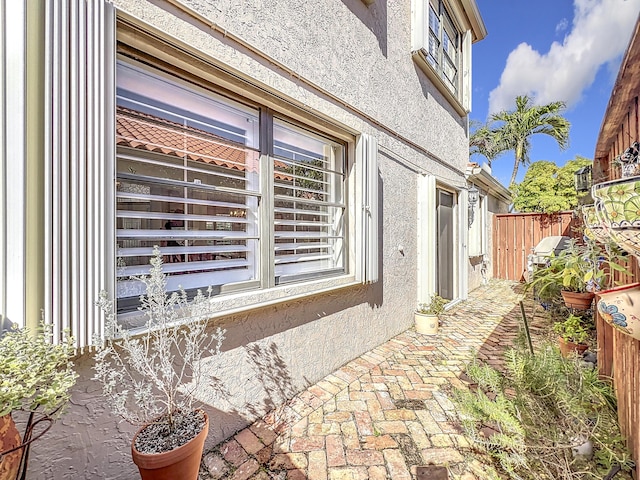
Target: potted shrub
580,270
573,334
427,314
36,376
151,379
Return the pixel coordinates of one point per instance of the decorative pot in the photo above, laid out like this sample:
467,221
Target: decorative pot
577,300
182,462
568,348
619,308
426,324
593,226
620,211
9,438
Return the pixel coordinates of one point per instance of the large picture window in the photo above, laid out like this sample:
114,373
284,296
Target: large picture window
228,207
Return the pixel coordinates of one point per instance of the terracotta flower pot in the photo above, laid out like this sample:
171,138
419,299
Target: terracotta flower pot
619,308
578,301
9,438
568,348
180,463
426,324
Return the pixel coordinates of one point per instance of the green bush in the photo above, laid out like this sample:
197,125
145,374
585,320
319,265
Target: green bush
35,374
532,416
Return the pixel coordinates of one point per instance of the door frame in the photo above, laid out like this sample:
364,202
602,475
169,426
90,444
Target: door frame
427,192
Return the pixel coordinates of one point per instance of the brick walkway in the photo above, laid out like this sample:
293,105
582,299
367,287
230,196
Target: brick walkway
382,414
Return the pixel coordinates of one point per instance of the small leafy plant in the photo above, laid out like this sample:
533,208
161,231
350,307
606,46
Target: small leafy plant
573,329
579,268
434,307
153,377
36,375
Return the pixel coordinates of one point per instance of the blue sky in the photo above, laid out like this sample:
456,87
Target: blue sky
568,50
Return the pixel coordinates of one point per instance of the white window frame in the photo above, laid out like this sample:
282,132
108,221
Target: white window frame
271,264
459,92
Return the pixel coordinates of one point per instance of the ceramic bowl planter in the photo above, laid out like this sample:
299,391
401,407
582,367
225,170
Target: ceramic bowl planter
620,211
426,323
619,308
593,226
182,462
426,316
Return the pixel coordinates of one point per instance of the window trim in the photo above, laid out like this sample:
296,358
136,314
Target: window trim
461,99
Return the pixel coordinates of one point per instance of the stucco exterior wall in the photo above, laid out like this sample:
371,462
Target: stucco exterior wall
358,64
480,269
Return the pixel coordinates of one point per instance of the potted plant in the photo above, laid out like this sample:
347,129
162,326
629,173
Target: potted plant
579,271
151,379
427,314
581,274
573,334
36,376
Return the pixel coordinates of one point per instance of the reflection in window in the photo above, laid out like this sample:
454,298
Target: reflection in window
309,205
187,180
444,44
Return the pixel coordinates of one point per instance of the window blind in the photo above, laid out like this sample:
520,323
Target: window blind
309,207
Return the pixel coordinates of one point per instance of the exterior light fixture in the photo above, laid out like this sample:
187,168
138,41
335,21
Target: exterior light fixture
472,197
582,179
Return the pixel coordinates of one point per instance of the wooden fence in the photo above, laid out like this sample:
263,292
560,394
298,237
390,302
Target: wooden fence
515,235
618,356
619,360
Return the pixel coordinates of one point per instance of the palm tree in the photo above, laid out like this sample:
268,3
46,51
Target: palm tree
526,120
487,142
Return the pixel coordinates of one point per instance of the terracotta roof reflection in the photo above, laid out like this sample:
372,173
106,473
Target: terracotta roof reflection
146,132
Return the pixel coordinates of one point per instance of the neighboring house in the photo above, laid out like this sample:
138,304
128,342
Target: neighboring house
309,160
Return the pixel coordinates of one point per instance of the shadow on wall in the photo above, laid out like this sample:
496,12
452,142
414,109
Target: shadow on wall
374,17
429,90
375,292
271,386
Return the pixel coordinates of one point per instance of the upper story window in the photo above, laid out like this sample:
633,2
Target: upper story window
235,197
443,49
444,45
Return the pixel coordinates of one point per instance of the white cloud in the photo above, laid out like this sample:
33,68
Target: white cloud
562,25
599,34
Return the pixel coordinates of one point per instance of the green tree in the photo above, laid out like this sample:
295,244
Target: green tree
486,141
547,188
518,126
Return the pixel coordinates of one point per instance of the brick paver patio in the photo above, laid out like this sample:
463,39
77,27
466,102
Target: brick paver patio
383,414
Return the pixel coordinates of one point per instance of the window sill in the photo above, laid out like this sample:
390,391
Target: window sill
227,305
425,66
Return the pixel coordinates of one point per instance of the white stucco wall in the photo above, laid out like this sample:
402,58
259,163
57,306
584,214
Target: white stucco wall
359,58
480,269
